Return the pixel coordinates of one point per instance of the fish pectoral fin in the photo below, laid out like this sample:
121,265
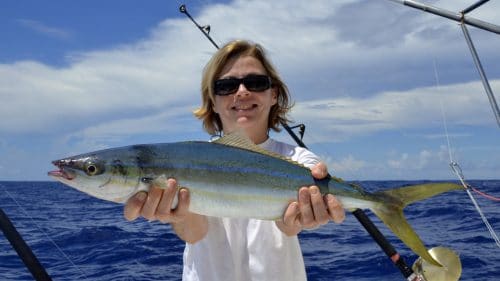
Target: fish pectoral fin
159,181
393,217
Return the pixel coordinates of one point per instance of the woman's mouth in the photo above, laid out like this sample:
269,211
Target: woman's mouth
246,107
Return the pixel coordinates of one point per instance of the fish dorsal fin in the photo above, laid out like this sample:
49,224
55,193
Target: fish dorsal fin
240,140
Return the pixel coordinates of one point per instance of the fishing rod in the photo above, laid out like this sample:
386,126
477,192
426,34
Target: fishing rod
23,250
206,31
465,20
365,221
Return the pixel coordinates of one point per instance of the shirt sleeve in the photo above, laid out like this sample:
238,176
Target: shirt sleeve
305,157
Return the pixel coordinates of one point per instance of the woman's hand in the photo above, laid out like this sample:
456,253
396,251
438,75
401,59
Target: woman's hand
312,209
156,205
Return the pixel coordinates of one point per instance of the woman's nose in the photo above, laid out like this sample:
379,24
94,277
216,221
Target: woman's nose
242,90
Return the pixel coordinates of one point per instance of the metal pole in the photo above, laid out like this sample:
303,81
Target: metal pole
486,85
459,17
474,6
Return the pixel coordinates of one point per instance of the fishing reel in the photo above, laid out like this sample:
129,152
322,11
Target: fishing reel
450,270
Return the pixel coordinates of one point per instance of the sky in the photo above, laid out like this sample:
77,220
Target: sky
386,92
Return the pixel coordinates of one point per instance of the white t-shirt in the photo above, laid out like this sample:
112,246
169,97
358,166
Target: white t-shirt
240,249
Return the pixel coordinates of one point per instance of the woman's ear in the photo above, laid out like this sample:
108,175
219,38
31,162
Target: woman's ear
213,108
274,94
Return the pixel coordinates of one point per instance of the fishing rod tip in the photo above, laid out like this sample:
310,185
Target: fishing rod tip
182,8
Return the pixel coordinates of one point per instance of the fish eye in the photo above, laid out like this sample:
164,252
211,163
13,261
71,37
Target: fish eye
92,169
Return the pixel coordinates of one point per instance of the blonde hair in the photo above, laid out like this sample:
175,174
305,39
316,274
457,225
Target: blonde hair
232,50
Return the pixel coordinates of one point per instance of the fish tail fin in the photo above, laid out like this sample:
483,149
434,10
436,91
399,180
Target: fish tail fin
392,213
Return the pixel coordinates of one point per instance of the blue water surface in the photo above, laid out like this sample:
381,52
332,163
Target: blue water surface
77,237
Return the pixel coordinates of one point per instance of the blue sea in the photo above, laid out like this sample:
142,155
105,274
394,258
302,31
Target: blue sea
77,237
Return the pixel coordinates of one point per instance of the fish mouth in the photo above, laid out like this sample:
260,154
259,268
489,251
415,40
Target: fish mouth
61,173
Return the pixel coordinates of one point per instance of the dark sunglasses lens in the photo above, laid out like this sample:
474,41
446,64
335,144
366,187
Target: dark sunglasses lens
256,83
225,87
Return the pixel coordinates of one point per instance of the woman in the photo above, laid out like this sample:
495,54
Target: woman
242,92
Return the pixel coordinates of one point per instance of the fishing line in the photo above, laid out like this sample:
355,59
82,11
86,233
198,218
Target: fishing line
46,235
457,170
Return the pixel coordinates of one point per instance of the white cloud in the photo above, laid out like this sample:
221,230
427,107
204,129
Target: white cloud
346,165
42,28
164,69
399,162
425,163
100,85
355,68
463,104
172,120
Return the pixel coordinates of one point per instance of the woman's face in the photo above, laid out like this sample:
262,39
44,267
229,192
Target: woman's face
245,109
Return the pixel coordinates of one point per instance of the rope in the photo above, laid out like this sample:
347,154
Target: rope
483,217
458,171
491,197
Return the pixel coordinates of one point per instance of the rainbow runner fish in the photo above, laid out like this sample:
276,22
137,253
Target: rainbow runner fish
232,177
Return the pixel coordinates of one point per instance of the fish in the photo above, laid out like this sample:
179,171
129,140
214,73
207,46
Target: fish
233,177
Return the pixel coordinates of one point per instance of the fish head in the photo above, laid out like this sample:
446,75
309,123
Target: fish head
109,174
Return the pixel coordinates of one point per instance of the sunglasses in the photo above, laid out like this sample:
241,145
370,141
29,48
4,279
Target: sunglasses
252,82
